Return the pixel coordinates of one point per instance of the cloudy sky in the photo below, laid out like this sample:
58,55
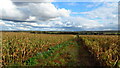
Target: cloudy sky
53,15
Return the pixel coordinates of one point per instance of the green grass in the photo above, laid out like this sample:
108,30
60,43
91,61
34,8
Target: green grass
52,52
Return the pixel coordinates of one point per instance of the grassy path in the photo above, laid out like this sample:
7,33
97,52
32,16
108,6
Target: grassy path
69,53
80,56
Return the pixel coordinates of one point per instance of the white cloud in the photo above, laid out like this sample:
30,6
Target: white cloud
46,11
107,29
36,24
105,11
22,28
9,10
106,15
72,4
1,22
84,23
37,11
33,0
31,18
53,29
65,0
63,12
47,15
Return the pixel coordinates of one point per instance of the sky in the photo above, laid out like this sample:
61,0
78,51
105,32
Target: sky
59,15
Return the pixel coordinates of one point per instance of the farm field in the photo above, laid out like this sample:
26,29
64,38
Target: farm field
106,48
28,49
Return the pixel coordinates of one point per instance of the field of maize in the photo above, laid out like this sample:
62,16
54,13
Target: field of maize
106,48
27,49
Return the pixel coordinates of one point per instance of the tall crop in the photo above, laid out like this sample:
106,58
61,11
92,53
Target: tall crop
19,47
105,47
